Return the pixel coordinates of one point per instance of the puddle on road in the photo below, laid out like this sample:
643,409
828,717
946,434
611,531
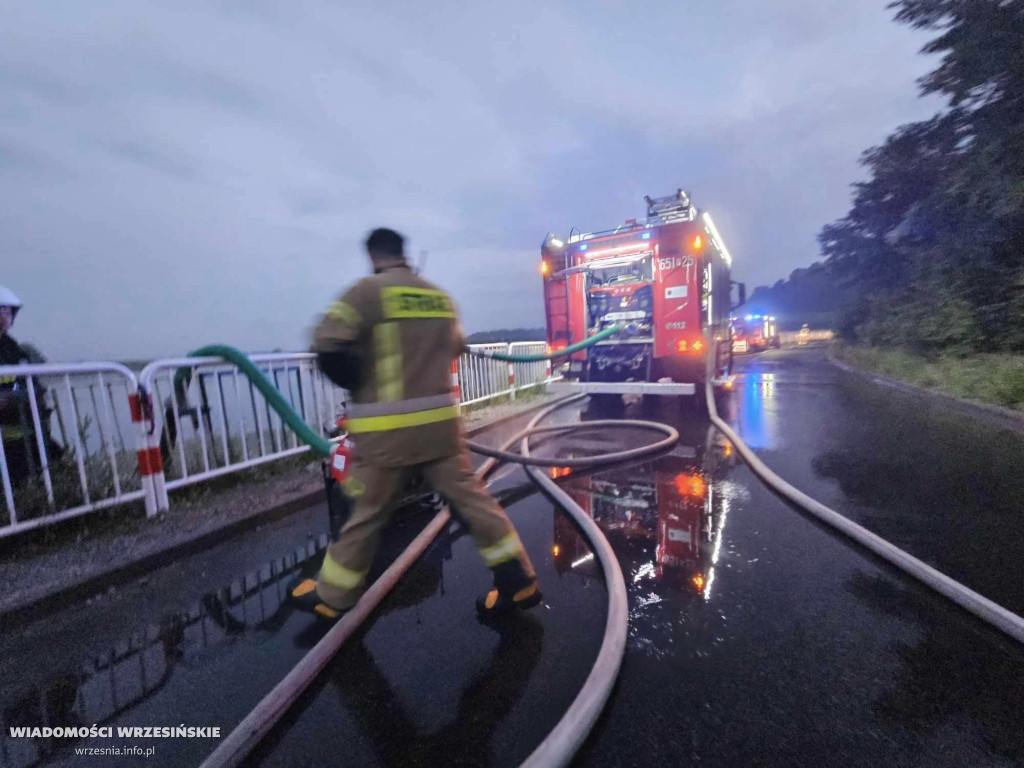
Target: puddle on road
140,665
666,520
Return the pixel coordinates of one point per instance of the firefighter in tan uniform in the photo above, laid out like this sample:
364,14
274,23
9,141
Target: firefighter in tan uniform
390,340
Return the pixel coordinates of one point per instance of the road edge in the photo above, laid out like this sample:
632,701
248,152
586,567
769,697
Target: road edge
32,608
993,415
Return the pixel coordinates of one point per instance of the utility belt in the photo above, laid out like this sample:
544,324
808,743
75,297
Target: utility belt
399,414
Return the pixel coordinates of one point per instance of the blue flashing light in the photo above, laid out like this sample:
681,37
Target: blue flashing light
583,247
645,236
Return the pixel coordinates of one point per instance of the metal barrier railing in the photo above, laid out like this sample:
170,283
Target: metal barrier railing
526,375
481,379
219,422
66,442
81,437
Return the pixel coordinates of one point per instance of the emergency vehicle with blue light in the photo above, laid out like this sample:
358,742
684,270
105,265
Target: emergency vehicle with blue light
754,332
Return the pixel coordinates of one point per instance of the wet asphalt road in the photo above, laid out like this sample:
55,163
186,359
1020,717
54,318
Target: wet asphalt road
942,485
756,637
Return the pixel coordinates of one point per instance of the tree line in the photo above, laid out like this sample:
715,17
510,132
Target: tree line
507,334
931,254
810,295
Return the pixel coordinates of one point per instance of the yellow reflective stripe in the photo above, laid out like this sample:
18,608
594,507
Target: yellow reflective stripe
401,420
410,405
339,576
402,303
354,487
344,313
506,549
11,433
387,342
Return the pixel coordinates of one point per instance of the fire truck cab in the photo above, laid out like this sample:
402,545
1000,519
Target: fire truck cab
665,279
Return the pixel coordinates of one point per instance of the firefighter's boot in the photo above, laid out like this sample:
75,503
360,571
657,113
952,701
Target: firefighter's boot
302,594
514,590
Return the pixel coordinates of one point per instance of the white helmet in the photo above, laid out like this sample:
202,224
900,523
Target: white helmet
9,298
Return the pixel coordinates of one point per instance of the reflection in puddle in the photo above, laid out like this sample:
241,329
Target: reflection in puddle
110,683
665,519
757,417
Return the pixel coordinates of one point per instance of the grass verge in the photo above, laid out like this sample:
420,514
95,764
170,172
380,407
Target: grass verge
994,379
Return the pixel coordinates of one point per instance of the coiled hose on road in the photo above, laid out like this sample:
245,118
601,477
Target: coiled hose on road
562,742
568,735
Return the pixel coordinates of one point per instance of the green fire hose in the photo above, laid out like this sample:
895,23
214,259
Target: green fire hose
295,422
609,331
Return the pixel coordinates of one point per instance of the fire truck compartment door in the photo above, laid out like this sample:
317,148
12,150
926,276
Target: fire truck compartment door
556,306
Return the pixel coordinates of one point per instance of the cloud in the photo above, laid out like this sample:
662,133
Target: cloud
176,173
17,159
152,159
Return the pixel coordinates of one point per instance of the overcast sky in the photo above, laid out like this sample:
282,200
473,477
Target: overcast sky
185,172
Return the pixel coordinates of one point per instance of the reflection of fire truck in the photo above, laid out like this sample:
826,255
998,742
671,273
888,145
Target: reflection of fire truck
754,332
669,503
665,279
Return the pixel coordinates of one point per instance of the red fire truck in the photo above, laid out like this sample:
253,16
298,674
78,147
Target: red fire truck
666,279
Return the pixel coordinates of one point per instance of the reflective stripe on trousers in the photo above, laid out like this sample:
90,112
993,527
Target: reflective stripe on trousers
339,576
506,549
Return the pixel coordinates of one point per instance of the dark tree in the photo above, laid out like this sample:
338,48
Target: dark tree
933,247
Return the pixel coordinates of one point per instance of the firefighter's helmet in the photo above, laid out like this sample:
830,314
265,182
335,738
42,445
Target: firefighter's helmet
9,298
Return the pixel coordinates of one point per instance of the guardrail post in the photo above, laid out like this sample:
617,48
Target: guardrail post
151,463
142,452
455,381
512,381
